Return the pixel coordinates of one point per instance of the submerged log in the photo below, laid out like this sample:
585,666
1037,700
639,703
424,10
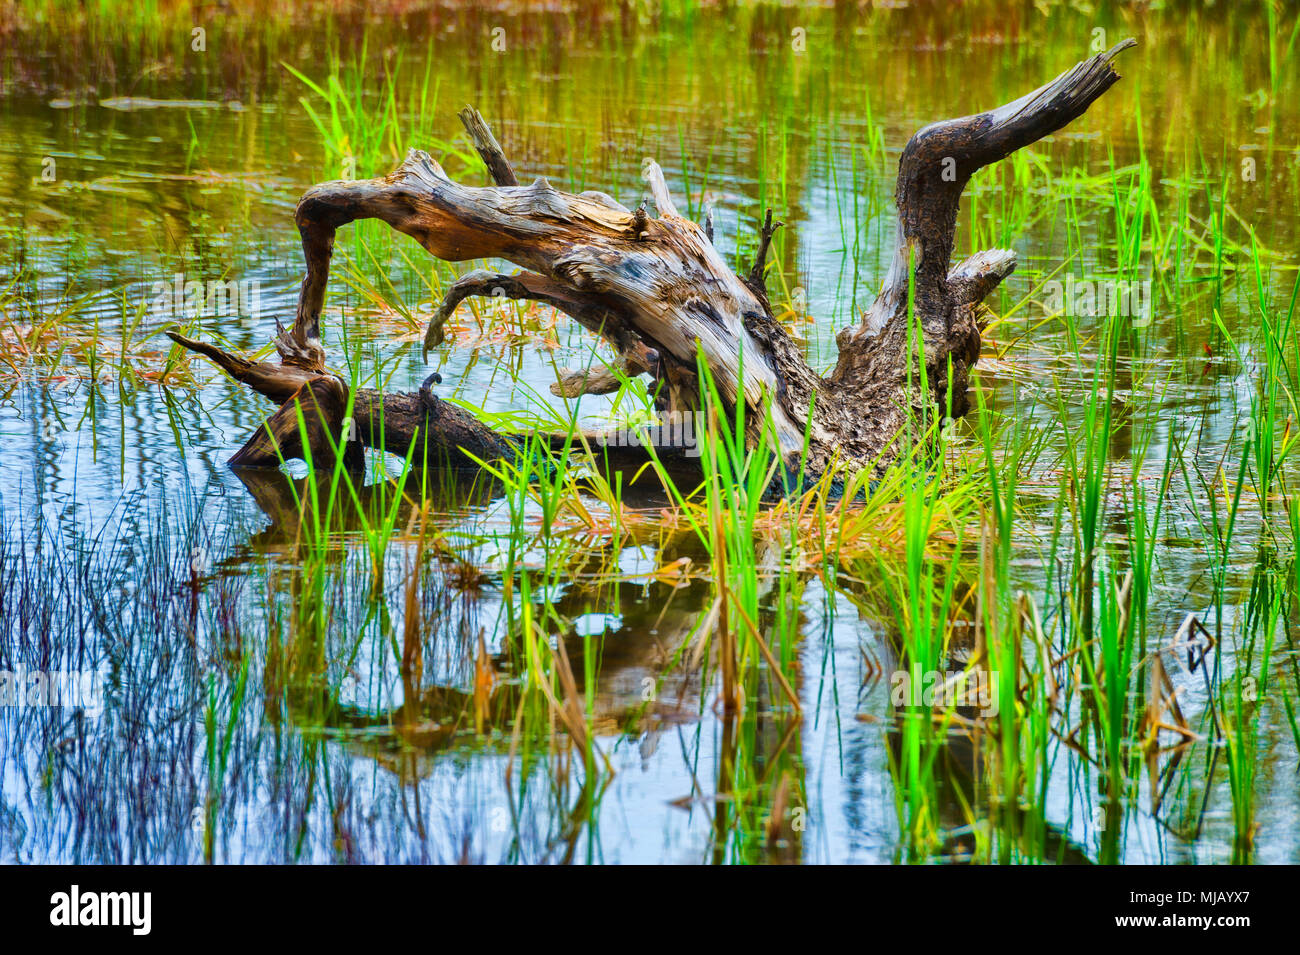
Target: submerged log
313,418
659,292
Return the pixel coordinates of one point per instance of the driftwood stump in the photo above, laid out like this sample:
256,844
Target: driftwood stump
656,288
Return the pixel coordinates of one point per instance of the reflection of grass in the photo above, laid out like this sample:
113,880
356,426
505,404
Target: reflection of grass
54,342
898,554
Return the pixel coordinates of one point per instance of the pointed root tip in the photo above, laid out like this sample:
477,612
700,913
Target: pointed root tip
180,338
1119,48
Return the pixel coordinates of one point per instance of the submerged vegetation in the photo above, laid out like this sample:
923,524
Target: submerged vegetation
1068,637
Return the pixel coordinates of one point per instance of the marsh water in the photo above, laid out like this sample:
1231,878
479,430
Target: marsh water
132,163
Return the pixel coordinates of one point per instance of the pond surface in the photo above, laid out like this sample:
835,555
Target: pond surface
232,729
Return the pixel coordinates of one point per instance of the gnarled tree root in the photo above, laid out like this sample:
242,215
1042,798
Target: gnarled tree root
656,289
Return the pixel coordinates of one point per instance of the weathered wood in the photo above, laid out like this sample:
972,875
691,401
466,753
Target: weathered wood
442,434
480,134
658,291
660,280
445,435
757,279
314,405
311,425
277,382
